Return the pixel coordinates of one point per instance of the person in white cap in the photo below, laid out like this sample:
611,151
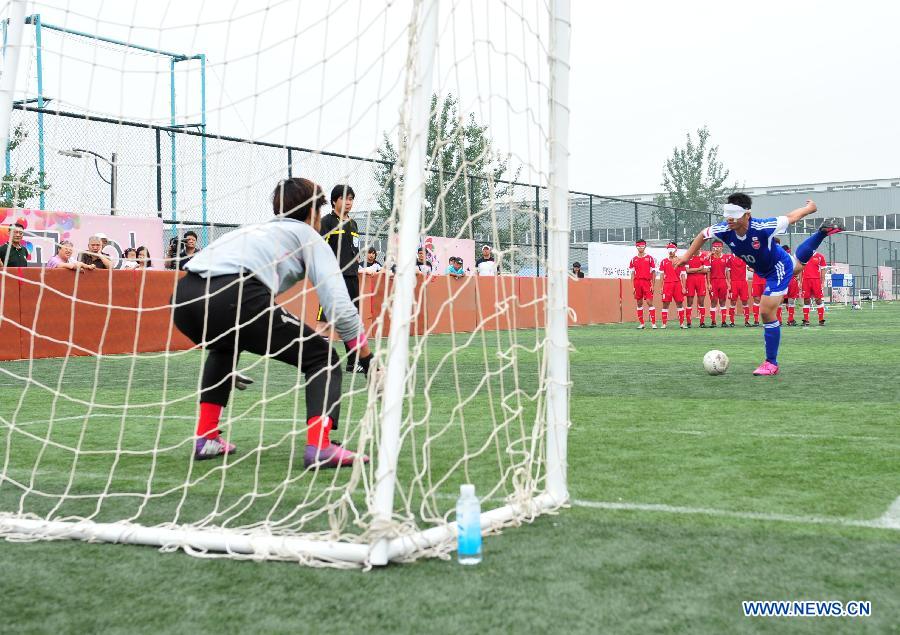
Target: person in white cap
486,265
752,240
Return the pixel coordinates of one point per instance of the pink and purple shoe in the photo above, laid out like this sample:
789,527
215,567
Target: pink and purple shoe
831,227
332,455
766,368
211,448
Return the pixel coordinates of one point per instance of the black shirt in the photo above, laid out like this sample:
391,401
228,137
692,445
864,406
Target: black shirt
343,238
13,256
578,274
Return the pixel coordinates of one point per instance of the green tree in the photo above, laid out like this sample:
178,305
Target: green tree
17,188
463,176
694,179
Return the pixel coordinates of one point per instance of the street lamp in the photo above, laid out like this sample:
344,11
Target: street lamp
113,181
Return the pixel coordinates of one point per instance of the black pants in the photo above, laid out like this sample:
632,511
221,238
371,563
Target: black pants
229,314
352,283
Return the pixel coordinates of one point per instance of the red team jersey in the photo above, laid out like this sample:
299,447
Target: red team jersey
696,282
717,267
643,267
670,272
737,270
700,260
812,270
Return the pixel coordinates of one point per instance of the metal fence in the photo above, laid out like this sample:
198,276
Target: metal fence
240,174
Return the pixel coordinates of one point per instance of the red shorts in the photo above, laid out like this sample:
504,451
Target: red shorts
643,290
718,290
672,291
793,291
696,285
740,291
812,288
759,288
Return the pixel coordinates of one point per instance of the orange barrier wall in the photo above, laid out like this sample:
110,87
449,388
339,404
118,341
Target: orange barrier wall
128,311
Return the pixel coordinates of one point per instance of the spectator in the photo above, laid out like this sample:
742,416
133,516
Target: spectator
129,258
143,258
171,253
187,250
14,253
455,269
63,259
423,267
576,270
371,265
93,256
486,265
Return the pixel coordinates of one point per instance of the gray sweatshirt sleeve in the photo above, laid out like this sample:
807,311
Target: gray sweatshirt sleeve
322,270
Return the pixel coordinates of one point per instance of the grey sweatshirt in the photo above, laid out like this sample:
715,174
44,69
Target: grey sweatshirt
278,253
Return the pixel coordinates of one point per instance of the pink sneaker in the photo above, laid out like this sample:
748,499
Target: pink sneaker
211,448
766,368
331,456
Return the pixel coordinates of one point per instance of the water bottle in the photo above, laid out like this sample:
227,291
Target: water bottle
468,525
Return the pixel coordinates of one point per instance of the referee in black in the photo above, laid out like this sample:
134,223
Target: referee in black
341,233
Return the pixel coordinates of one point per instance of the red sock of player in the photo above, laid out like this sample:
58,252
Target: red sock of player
806,313
665,316
746,313
687,313
318,431
820,309
731,314
208,423
681,316
653,314
712,315
702,314
778,314
724,313
640,315
791,313
755,312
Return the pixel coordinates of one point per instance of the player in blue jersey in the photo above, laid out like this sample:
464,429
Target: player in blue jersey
752,240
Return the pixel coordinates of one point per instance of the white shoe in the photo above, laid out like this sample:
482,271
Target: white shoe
684,326
653,326
640,327
662,326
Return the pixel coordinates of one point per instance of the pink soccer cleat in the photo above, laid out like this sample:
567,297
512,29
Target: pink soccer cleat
333,455
766,368
211,448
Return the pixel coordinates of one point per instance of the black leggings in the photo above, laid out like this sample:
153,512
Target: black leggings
229,314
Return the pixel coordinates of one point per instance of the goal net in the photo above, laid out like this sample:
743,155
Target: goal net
140,126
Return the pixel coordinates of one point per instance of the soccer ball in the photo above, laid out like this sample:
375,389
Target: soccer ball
715,362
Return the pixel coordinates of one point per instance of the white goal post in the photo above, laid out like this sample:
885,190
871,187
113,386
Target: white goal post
485,404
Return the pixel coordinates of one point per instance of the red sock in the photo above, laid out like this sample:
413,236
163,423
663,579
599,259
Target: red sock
653,314
318,431
791,313
702,314
806,313
746,313
665,316
681,316
688,310
723,311
712,315
208,423
821,311
640,315
755,312
731,314
778,314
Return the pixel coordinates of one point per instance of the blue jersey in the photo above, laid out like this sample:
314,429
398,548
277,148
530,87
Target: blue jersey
757,247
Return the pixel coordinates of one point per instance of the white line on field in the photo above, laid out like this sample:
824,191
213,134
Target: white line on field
890,520
733,433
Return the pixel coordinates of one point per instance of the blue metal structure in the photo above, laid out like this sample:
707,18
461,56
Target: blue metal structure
173,57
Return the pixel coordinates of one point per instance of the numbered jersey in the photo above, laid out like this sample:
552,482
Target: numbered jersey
757,247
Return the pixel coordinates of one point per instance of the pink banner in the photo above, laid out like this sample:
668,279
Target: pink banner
885,283
438,250
44,230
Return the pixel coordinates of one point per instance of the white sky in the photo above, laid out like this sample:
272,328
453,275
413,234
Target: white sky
799,91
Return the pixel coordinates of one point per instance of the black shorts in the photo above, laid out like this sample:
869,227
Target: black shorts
352,283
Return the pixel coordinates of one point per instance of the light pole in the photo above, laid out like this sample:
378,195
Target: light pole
113,180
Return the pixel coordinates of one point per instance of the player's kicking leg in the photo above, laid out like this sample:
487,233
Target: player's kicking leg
804,252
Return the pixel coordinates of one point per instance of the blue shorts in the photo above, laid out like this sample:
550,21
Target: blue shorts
778,280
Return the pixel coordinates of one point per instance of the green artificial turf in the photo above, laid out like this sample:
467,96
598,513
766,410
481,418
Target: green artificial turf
690,493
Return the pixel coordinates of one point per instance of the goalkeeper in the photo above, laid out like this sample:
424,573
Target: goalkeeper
226,304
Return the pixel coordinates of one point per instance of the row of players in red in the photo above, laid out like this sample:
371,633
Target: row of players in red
725,276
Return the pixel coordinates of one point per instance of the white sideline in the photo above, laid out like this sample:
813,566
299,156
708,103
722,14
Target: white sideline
889,520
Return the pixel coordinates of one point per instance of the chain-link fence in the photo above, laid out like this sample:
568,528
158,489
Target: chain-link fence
233,185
